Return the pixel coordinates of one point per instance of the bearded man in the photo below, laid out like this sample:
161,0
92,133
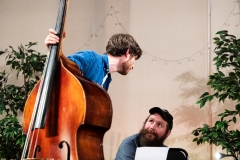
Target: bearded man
156,128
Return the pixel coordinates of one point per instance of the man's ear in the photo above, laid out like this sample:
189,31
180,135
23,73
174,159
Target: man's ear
169,132
127,54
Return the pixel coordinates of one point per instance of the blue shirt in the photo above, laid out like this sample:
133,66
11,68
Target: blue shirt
94,66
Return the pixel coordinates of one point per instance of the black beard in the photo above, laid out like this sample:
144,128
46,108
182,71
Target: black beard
155,142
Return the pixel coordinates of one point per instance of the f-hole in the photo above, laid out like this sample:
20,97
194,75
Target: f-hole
68,148
37,149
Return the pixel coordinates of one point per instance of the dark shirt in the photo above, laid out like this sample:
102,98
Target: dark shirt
128,147
94,66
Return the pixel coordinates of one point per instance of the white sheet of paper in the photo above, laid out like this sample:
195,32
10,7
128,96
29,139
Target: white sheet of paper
151,153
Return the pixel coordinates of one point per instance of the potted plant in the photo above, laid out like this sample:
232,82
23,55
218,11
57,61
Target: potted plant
29,64
225,84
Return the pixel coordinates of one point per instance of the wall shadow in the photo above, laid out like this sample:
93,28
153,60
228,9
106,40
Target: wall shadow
190,116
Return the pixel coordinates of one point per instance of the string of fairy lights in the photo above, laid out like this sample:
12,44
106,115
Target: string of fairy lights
189,58
111,12
232,13
114,13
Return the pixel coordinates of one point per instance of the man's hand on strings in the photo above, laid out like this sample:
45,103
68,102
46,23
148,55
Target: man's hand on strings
52,38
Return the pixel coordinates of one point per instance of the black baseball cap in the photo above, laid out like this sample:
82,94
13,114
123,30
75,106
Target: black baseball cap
165,115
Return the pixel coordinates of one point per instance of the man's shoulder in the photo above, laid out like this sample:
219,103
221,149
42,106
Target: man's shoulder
85,54
131,139
133,136
89,52
127,149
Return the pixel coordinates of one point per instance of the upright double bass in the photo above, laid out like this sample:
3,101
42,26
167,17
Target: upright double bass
65,116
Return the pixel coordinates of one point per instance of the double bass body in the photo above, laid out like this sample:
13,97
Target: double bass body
80,112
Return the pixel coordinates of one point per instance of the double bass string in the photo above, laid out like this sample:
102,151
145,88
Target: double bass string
26,144
39,112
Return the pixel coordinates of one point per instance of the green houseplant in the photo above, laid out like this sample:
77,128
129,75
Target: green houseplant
225,85
28,64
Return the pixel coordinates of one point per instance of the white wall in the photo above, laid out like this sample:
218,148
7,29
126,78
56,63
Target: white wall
172,73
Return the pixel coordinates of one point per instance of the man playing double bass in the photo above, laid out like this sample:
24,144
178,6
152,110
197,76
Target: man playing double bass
121,52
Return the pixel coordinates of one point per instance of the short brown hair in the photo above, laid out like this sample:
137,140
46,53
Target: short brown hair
119,43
